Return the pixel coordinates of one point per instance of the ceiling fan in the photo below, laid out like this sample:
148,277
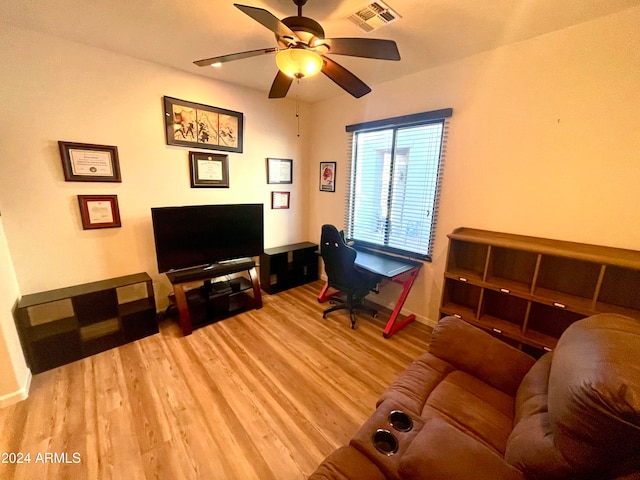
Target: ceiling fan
302,49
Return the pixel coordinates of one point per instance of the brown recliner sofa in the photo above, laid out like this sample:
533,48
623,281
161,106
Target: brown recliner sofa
476,408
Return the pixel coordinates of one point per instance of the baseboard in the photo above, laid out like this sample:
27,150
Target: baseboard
419,318
19,395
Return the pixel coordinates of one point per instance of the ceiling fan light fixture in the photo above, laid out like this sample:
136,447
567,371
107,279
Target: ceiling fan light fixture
298,62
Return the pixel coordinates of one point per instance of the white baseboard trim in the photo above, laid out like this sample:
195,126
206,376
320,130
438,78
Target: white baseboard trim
19,395
419,318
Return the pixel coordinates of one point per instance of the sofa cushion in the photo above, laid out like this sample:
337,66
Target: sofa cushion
479,354
594,392
442,451
473,407
532,392
412,387
530,446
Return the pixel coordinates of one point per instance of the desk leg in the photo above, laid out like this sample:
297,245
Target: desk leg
407,283
257,294
183,309
324,295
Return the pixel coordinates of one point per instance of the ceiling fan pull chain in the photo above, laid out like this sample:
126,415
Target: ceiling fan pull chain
298,112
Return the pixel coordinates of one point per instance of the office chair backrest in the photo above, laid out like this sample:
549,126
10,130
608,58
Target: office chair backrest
338,260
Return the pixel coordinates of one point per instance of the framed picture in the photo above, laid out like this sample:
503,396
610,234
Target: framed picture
84,162
99,211
279,170
209,169
280,200
327,176
191,124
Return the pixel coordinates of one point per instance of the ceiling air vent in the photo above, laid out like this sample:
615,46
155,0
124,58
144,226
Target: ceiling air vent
373,16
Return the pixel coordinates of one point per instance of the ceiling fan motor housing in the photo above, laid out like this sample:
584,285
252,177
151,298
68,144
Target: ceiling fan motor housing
308,31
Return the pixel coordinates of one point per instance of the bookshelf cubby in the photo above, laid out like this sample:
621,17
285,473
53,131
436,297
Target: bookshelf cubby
288,266
528,290
63,325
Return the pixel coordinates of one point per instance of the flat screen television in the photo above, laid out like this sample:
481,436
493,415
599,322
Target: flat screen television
198,235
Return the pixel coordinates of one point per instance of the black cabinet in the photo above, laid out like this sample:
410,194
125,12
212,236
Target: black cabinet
60,326
288,266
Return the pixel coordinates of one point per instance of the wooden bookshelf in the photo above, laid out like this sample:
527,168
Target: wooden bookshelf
528,290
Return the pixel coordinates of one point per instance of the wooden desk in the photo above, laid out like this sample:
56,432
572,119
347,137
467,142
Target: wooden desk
395,269
182,278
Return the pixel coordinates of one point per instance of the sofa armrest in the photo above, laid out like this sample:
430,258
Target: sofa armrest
442,451
347,463
477,353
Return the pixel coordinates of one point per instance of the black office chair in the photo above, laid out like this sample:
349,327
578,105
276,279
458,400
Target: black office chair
343,275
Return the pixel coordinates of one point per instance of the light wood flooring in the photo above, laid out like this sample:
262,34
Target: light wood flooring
266,394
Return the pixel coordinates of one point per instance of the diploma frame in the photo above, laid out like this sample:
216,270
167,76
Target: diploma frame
280,200
279,171
209,170
99,211
85,162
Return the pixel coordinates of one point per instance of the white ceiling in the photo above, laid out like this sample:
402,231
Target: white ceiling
177,32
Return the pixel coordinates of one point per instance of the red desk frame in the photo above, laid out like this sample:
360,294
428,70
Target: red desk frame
396,269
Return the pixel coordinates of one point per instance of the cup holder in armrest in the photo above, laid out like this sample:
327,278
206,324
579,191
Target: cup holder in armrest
385,442
400,421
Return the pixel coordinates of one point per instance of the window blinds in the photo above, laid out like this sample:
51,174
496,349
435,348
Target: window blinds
394,184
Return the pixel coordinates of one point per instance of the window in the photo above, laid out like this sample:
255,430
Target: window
395,181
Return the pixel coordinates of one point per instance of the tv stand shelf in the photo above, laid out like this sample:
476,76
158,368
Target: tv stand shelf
214,300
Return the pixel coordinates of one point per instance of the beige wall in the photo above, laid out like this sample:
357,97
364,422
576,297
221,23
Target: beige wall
58,90
14,374
544,141
64,91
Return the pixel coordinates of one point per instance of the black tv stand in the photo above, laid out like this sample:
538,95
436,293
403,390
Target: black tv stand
212,290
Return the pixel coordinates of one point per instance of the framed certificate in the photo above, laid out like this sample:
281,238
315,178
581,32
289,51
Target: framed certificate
279,171
280,200
99,211
84,162
209,169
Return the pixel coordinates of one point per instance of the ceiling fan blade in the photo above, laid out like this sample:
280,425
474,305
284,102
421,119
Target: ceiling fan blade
363,47
268,20
343,77
280,86
234,56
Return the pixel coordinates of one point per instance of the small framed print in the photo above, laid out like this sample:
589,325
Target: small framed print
280,200
327,176
209,169
99,211
84,162
279,171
